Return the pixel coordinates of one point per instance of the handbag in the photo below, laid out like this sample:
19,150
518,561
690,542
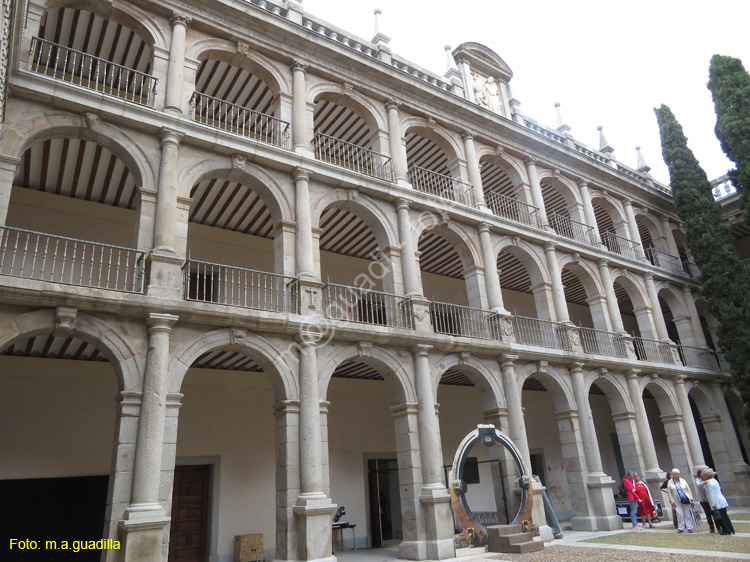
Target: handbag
684,500
696,515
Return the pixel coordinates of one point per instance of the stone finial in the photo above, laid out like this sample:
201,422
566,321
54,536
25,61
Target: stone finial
640,163
380,39
561,126
450,64
603,144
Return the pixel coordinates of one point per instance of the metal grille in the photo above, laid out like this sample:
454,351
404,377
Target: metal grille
701,358
602,343
353,304
653,350
35,255
565,226
664,260
353,157
513,209
459,320
239,120
541,333
88,71
442,186
622,246
236,286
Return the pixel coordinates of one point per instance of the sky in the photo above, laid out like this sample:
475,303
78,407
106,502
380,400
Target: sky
606,63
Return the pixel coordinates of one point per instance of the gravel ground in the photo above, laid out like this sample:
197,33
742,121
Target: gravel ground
564,553
673,539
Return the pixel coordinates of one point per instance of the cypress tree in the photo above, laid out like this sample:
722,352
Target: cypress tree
730,87
725,284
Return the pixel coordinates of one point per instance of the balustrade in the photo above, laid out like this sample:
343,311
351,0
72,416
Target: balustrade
603,343
353,157
352,304
458,320
622,246
665,261
513,209
442,186
541,333
565,226
653,350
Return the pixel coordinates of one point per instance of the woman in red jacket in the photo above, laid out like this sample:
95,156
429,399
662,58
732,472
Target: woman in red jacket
629,486
645,503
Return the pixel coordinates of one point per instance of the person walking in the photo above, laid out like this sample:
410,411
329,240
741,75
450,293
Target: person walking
700,495
645,502
628,484
718,502
663,488
681,499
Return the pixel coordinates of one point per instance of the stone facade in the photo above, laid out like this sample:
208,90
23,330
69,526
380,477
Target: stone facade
287,252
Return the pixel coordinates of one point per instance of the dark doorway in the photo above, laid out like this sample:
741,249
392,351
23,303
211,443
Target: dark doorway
538,465
189,528
385,502
54,509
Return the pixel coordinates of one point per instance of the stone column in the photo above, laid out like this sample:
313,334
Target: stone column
691,431
395,142
8,167
505,486
516,424
145,519
433,496
313,509
653,472
412,286
300,137
695,321
635,234
669,237
472,165
536,189
286,414
598,483
304,237
588,208
661,326
609,291
558,292
491,278
726,421
176,68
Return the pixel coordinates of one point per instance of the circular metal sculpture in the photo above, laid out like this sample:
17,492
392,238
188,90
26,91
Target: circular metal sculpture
488,436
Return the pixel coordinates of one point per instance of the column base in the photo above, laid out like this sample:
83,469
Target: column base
603,502
438,521
164,274
412,550
142,533
538,514
313,514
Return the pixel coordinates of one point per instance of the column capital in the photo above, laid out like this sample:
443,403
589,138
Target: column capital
402,204
421,349
483,227
393,103
286,407
161,322
632,373
648,276
508,360
302,174
549,246
467,135
583,182
530,160
577,366
180,19
298,65
170,136
627,202
602,262
679,379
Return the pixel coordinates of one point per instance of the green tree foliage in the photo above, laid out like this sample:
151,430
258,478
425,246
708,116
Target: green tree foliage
730,87
725,284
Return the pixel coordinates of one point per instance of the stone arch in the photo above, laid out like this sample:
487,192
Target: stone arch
662,393
614,389
535,266
125,360
261,66
573,206
641,305
586,272
87,126
479,374
615,213
516,171
650,230
372,114
555,381
279,364
446,141
393,370
364,207
458,236
702,398
595,295
253,176
680,314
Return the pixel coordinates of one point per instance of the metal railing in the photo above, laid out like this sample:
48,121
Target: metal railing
46,257
466,321
723,363
692,269
622,246
239,120
603,343
352,304
541,333
565,226
88,71
442,186
237,286
354,157
653,350
664,260
746,263
698,357
513,209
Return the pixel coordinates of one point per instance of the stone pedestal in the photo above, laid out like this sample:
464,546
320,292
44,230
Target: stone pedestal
141,535
438,521
602,500
313,516
164,274
538,515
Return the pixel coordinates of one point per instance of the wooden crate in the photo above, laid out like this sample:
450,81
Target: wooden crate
248,548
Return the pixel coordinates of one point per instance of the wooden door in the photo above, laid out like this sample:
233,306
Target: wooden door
189,531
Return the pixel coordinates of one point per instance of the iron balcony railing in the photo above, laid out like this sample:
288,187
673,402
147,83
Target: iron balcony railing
700,358
664,261
354,157
458,320
653,350
692,269
88,71
442,186
565,226
603,343
513,209
622,246
352,304
46,257
746,263
240,287
239,120
723,363
541,333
